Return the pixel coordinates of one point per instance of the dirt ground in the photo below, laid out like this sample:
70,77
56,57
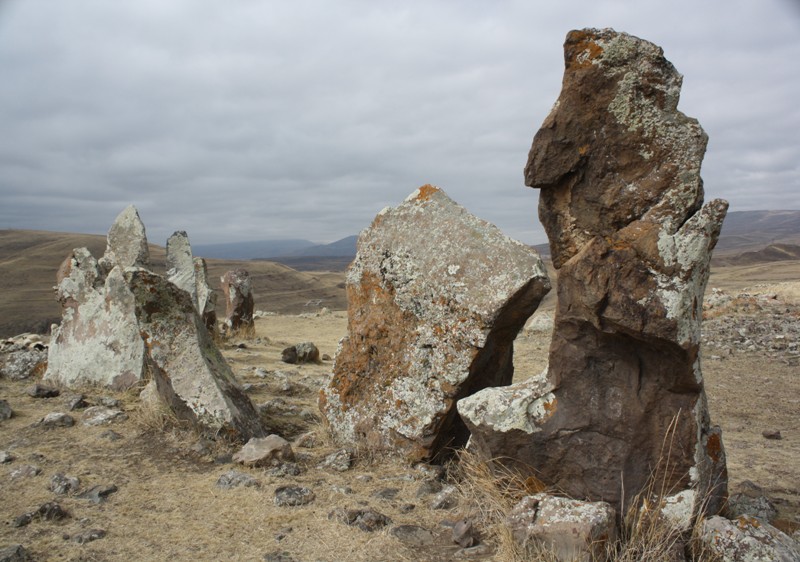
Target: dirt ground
168,506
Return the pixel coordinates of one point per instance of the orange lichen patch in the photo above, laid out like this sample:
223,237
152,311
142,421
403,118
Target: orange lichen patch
714,447
583,150
581,50
425,192
550,407
534,486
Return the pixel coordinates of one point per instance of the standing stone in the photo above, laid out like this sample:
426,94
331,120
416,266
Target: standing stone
238,291
126,244
190,374
190,274
98,341
622,401
436,297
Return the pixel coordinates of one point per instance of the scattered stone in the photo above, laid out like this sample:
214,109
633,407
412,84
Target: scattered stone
283,533
25,471
238,291
430,471
111,435
77,402
365,519
40,391
305,352
428,487
436,298
61,484
202,447
293,495
56,419
5,410
6,457
98,494
386,493
747,539
100,415
285,469
109,402
750,500
23,364
407,508
15,553
51,511
446,499
234,479
326,357
772,434
478,551
571,529
464,533
632,244
22,520
306,440
89,536
340,461
413,535
270,450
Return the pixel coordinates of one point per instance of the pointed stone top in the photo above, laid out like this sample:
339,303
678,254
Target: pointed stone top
127,241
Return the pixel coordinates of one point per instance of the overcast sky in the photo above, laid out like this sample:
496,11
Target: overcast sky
253,119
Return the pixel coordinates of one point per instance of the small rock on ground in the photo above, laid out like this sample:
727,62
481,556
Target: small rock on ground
365,519
15,553
56,419
293,496
234,479
98,494
413,535
89,536
61,484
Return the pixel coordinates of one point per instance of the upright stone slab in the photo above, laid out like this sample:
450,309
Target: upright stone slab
436,297
621,200
98,339
190,374
238,291
126,244
190,274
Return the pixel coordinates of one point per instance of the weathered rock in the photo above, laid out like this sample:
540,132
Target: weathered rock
747,540
293,496
25,471
365,519
126,244
234,479
190,274
750,500
266,451
305,352
6,457
98,494
100,415
572,530
436,297
98,341
51,511
23,363
238,291
56,419
190,373
621,200
15,553
446,499
340,461
464,533
62,485
5,410
88,536
42,391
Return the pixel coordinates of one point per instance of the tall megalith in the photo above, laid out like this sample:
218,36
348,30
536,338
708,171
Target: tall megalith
621,200
190,274
436,297
239,304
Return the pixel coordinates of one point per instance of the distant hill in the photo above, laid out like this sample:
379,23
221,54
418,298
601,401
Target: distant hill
30,259
346,247
752,230
257,249
771,253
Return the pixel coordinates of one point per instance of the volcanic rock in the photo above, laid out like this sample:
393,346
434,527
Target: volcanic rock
621,197
747,539
572,530
238,291
266,451
436,297
126,244
191,275
24,363
190,374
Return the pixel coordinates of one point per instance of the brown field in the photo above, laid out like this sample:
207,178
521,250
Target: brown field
168,506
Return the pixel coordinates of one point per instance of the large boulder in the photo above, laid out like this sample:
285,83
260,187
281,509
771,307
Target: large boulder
126,244
436,297
747,539
238,291
622,404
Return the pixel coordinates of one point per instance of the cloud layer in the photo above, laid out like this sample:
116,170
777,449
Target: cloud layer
249,120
